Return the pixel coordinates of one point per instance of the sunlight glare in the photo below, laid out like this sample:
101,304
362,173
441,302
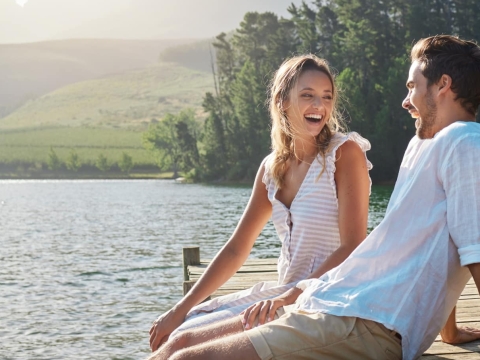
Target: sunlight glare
21,2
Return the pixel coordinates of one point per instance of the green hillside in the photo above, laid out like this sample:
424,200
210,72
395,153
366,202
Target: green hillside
103,116
197,55
33,69
128,100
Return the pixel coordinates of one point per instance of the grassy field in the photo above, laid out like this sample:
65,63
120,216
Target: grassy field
103,116
30,70
33,145
128,100
106,115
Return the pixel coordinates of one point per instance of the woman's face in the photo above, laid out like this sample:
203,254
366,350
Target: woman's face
310,103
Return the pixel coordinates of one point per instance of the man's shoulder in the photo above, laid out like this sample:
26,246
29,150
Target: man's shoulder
459,148
457,131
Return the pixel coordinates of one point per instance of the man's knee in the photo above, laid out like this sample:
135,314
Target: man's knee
181,340
181,355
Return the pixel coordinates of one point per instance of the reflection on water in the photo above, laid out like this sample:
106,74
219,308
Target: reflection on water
88,265
378,204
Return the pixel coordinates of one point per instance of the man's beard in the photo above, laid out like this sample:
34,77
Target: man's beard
426,122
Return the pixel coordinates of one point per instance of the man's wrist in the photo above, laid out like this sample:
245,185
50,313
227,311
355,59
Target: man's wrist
449,334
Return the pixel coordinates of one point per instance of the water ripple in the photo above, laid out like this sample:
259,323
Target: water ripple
88,265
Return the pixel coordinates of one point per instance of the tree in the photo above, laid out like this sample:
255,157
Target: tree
236,133
73,162
248,97
215,156
173,142
126,163
366,41
53,160
102,163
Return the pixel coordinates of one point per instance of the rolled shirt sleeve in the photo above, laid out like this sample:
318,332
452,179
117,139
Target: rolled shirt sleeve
302,285
461,179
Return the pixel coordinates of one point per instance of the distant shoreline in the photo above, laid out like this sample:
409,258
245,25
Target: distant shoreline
59,175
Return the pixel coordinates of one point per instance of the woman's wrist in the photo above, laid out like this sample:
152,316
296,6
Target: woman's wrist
183,306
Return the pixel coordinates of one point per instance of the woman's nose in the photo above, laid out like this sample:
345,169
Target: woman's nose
317,103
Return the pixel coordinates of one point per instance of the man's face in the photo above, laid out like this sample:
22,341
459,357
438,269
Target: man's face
420,102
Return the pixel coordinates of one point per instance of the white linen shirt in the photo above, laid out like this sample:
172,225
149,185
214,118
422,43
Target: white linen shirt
409,272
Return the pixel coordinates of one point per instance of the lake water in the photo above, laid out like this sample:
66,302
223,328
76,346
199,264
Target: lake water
86,266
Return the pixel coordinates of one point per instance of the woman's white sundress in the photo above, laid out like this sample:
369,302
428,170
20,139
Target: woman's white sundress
308,231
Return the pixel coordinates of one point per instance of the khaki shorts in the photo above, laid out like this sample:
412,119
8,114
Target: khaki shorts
301,335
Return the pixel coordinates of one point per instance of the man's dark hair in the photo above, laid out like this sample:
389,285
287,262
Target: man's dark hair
460,59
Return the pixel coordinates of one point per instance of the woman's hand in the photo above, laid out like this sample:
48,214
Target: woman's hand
164,326
265,310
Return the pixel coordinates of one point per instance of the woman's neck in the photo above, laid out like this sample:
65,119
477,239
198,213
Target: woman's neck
305,150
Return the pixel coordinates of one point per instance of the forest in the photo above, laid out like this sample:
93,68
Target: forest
367,42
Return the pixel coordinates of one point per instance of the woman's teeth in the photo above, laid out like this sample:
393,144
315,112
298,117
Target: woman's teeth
314,118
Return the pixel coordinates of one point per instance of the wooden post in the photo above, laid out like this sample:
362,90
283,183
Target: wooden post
191,256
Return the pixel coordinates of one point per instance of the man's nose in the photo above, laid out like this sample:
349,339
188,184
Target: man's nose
406,102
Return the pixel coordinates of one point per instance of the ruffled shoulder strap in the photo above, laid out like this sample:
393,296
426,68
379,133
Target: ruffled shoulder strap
338,140
267,174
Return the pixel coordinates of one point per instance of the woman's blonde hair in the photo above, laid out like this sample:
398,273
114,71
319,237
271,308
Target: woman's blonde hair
282,133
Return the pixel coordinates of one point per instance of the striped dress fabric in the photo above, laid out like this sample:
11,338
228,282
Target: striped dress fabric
308,231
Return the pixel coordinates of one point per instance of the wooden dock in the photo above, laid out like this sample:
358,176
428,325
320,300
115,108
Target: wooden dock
256,270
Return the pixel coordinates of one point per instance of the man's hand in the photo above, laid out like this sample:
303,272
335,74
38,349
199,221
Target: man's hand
265,310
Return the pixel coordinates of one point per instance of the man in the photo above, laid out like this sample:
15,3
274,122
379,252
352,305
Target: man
391,297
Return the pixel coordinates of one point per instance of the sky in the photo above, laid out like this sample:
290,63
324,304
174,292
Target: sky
38,20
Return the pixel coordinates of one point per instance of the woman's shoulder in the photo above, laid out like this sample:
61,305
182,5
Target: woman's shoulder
349,139
350,144
268,161
266,167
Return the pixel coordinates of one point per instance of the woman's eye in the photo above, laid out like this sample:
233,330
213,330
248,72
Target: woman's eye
307,95
327,97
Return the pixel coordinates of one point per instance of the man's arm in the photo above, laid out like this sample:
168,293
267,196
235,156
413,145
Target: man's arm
460,175
475,271
451,333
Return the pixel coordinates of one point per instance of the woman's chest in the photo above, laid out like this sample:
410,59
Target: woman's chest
294,178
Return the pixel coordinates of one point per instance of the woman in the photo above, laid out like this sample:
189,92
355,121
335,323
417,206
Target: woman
314,185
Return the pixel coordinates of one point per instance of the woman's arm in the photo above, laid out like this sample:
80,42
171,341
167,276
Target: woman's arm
228,260
353,190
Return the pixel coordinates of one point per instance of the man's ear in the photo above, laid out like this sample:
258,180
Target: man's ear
444,84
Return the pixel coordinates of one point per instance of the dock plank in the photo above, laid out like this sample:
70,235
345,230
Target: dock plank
468,306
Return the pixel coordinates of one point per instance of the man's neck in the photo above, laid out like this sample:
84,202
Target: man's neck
449,115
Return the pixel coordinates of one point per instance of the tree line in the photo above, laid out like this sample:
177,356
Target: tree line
73,162
366,41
